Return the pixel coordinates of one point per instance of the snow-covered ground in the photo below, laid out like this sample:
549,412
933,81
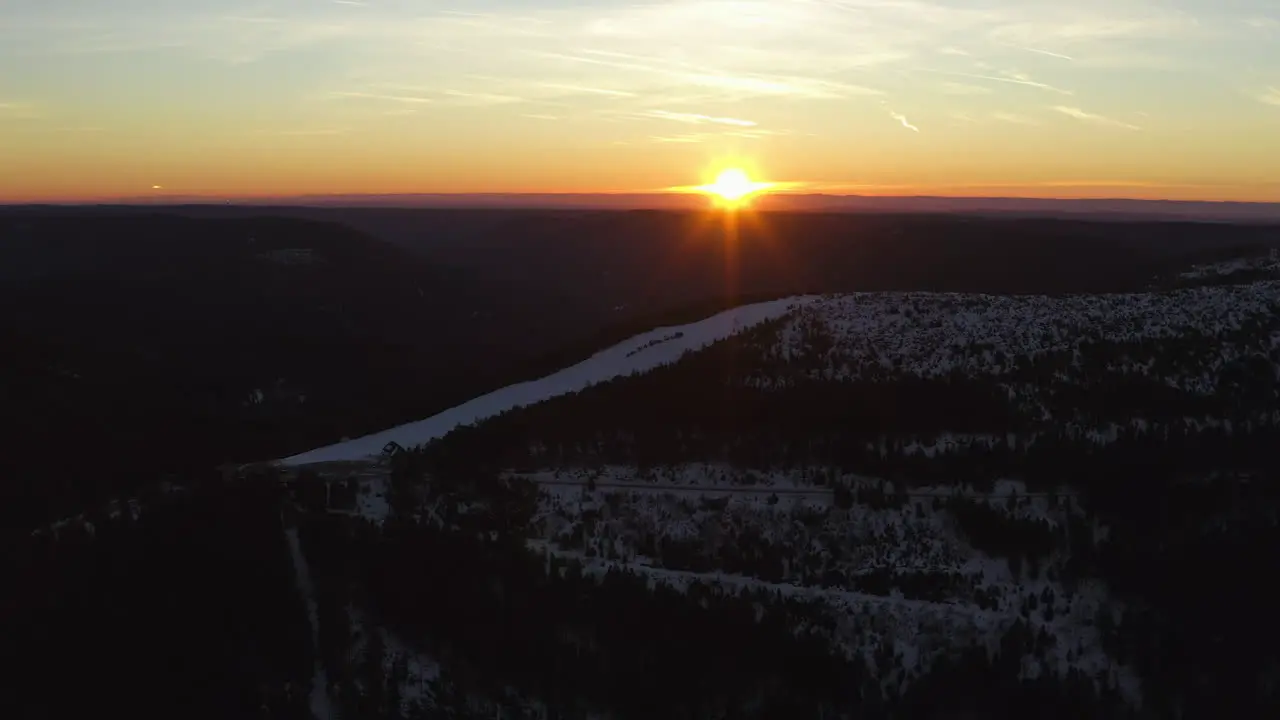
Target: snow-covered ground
935,334
642,352
606,528
630,520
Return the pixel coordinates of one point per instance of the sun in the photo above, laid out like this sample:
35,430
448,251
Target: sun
733,188
732,184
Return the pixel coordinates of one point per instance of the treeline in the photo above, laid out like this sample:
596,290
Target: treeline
186,609
699,410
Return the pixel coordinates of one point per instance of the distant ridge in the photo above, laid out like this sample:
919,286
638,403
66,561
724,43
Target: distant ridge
1110,209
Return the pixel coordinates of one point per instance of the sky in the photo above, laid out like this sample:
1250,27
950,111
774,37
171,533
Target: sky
1172,99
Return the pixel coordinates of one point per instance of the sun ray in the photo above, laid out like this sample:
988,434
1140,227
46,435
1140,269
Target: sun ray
740,231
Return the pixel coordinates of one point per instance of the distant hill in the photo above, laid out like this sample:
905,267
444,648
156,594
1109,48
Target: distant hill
156,344
1113,209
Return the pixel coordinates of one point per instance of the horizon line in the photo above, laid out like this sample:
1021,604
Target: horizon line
1115,209
670,194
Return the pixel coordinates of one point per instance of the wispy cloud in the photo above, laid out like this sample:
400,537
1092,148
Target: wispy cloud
41,128
776,36
747,85
580,90
678,139
756,133
1094,118
999,116
733,49
1021,78
1136,58
955,88
728,60
15,110
731,85
1073,24
359,95
1011,78
1013,118
480,98
697,119
305,132
1046,53
903,120
689,138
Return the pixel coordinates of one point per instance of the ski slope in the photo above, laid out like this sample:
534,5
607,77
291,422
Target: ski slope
641,353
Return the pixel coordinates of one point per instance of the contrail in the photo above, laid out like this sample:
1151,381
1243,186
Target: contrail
903,119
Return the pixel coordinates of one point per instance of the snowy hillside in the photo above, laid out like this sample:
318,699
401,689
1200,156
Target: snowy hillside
886,335
913,480
640,353
930,334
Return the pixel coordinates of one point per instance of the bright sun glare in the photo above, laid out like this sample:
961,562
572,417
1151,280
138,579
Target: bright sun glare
733,187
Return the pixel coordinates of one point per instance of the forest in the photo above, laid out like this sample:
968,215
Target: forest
188,609
1199,593
182,611
185,609
617,644
175,339
706,407
1192,508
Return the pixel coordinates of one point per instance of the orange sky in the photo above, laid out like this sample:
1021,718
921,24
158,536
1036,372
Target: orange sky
1123,98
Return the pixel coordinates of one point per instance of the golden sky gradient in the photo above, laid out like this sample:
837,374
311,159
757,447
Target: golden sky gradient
1175,99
